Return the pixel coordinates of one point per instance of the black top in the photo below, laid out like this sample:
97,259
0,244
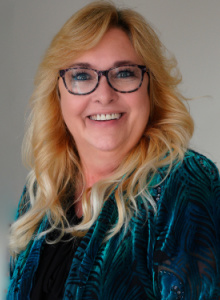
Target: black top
53,269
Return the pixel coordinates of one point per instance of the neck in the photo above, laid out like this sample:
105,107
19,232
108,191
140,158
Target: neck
95,168
98,168
100,165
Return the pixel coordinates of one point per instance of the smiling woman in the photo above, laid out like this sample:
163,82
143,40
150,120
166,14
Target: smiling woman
97,139
114,188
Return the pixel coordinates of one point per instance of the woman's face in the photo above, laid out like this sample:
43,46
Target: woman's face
80,111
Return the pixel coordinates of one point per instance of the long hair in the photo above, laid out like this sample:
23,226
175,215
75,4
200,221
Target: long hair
49,148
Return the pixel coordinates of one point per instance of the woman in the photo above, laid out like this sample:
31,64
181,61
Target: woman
116,206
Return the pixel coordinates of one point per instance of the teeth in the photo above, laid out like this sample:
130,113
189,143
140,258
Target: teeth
105,117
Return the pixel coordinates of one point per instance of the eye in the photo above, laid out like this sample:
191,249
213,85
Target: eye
81,76
125,74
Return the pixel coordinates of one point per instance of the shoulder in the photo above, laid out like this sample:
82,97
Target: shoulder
195,169
24,203
188,227
190,198
25,200
201,163
193,182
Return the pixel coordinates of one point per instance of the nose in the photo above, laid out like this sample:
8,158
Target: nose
104,93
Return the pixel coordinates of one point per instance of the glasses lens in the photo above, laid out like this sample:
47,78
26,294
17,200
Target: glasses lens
125,78
81,81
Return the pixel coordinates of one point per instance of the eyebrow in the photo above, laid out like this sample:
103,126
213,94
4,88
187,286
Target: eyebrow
116,64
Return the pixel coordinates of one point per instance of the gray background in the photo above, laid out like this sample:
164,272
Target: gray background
189,29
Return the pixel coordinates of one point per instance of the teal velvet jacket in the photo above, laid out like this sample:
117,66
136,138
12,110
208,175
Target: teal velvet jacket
175,254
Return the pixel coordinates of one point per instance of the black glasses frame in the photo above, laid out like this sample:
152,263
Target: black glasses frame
100,74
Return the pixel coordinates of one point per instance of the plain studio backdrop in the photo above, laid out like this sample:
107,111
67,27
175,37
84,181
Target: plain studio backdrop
189,29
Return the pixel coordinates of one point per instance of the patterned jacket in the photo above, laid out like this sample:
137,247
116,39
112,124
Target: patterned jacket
175,254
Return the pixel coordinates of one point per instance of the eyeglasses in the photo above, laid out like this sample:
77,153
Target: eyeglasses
83,81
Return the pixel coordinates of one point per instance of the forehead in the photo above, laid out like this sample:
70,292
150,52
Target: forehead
115,46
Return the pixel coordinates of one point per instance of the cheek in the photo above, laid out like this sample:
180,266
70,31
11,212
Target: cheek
143,113
71,107
65,110
141,106
70,113
69,103
142,101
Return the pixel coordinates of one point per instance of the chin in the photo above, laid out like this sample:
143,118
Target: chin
106,146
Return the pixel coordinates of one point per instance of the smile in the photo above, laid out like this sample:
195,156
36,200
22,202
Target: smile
105,117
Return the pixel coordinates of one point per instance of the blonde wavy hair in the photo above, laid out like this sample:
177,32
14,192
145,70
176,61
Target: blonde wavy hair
49,148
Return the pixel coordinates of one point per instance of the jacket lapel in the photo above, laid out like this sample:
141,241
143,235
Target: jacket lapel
86,252
32,261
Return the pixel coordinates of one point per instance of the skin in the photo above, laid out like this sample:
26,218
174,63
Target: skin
103,144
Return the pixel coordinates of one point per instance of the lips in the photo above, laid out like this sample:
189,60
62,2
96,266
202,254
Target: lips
105,117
